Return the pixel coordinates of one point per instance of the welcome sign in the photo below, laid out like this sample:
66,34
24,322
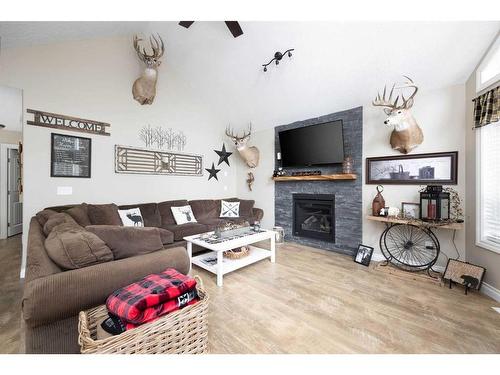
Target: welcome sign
56,121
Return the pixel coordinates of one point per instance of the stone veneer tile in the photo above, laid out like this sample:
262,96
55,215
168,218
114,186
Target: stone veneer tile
348,204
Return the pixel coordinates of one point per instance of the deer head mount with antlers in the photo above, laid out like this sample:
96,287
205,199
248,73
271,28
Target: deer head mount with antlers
144,88
406,134
250,154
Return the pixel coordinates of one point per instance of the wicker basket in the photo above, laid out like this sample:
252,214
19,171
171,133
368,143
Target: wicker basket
182,332
231,254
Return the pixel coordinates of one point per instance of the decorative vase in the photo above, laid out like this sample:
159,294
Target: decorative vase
378,202
347,165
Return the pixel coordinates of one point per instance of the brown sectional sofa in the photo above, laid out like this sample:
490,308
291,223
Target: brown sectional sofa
53,296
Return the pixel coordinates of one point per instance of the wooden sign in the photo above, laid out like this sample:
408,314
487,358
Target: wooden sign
55,121
146,161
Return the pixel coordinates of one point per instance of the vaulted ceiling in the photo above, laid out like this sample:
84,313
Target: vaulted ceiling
344,61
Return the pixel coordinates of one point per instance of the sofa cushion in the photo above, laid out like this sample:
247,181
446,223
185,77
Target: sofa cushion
166,213
205,208
44,215
183,230
127,242
104,214
149,212
70,247
57,219
167,237
246,206
80,214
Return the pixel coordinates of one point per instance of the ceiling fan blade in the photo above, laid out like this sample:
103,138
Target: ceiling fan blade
186,24
234,27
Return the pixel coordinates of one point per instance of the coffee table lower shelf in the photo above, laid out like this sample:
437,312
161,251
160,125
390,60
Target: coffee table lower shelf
229,265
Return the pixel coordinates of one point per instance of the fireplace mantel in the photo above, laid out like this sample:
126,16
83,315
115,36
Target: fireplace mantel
322,177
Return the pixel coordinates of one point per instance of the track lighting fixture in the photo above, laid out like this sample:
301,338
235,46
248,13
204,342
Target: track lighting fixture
277,57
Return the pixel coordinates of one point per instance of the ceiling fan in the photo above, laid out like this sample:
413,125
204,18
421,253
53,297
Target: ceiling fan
233,26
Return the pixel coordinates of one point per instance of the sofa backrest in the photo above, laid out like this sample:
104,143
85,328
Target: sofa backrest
166,213
205,208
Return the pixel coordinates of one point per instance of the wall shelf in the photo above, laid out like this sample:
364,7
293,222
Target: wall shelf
322,177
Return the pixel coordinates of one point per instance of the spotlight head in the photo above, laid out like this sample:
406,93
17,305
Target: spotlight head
265,69
277,62
289,54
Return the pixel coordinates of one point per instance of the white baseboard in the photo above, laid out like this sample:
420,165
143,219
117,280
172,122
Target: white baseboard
490,291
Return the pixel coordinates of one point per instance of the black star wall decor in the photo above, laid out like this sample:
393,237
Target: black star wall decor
223,155
213,172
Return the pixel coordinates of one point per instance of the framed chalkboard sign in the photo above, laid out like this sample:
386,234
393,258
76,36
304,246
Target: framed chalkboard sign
70,156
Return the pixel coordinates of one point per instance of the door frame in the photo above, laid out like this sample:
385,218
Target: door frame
4,147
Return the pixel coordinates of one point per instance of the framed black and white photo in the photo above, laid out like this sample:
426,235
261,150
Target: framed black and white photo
418,169
70,156
364,255
410,210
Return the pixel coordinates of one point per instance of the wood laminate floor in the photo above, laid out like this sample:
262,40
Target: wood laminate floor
314,301
10,295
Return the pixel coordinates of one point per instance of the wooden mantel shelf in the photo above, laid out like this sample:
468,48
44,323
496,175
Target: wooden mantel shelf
395,220
321,177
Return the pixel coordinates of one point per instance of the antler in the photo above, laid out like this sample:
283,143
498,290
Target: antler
157,46
230,133
383,102
408,103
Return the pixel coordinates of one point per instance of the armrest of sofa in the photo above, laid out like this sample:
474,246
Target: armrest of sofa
258,213
65,294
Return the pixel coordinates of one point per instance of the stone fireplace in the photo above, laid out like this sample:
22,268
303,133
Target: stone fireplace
335,225
314,216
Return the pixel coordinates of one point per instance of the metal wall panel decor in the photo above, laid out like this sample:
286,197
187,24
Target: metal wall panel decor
137,160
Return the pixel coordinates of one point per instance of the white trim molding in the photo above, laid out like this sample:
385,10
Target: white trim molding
488,60
490,291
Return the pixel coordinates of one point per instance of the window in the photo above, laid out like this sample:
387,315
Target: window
488,71
488,187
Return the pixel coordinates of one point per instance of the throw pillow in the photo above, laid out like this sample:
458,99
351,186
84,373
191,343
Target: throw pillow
230,209
183,215
80,214
131,217
71,247
104,214
57,219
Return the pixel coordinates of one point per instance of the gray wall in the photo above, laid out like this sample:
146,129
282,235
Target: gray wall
348,194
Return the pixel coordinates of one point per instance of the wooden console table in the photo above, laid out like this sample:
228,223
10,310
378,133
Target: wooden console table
411,245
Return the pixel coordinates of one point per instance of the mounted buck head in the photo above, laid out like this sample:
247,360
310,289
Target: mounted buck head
249,154
144,88
406,134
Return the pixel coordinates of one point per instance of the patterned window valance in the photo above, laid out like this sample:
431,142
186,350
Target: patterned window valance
486,108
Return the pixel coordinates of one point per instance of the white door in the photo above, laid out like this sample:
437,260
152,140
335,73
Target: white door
14,207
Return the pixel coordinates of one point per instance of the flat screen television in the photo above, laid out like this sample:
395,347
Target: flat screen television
312,145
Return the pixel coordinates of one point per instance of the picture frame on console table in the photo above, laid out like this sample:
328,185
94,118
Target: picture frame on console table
419,169
70,156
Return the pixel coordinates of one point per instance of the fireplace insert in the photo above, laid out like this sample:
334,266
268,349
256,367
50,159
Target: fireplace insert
314,216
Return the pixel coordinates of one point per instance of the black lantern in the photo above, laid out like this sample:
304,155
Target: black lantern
434,204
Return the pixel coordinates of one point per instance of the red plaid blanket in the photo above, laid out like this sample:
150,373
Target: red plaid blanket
153,296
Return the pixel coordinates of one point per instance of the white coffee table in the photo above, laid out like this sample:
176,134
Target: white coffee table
220,265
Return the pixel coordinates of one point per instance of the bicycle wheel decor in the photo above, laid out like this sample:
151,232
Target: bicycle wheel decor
410,247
